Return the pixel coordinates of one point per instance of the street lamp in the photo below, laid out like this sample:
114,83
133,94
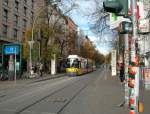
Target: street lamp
32,36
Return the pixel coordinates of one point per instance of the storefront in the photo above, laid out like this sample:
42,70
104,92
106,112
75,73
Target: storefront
144,40
12,58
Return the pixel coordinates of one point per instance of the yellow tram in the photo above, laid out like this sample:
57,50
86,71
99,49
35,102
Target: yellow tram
77,65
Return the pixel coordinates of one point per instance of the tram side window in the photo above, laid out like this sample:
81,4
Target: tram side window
67,65
79,64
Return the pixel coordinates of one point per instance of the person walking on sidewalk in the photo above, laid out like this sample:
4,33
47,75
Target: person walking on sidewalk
41,69
122,76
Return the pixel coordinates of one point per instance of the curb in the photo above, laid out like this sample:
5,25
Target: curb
49,77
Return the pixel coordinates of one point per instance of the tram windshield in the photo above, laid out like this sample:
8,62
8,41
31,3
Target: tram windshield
73,63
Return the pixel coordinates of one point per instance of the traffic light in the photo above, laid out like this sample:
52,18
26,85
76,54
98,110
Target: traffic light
119,7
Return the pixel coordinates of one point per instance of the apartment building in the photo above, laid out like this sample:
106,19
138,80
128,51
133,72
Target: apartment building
72,38
16,18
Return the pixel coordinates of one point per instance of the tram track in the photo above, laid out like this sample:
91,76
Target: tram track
72,99
18,112
55,94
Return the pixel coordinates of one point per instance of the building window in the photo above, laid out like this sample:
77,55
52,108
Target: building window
4,29
5,2
25,10
32,16
15,20
15,32
25,1
16,5
23,36
24,23
5,16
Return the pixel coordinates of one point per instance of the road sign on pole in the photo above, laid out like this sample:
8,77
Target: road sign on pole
133,69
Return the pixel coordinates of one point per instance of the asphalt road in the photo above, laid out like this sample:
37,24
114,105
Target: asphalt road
93,93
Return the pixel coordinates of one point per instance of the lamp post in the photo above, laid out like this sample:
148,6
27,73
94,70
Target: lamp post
134,90
32,40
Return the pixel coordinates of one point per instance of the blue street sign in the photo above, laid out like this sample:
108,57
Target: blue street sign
11,49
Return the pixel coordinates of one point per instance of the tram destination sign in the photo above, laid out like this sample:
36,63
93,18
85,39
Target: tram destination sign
11,49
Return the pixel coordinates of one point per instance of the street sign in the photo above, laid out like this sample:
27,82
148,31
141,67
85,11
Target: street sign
11,49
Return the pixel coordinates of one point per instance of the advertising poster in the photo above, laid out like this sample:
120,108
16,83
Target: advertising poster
113,62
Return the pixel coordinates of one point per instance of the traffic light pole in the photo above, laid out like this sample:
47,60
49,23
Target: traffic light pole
133,64
120,8
126,61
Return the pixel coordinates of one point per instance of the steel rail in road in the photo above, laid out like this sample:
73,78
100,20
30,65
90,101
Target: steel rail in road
55,93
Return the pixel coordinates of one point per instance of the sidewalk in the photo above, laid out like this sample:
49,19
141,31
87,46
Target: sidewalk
145,99
117,92
19,82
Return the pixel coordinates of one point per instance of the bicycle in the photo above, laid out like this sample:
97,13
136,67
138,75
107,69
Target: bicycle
3,75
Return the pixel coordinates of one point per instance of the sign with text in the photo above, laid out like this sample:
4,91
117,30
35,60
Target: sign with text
11,49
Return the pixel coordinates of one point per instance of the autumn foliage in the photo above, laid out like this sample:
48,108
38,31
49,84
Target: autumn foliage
27,38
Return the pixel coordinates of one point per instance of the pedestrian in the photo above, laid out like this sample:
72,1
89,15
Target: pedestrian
122,76
41,69
35,68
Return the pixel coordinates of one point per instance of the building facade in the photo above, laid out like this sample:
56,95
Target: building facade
16,17
72,37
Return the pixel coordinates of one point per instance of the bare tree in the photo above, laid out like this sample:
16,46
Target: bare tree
99,21
99,17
